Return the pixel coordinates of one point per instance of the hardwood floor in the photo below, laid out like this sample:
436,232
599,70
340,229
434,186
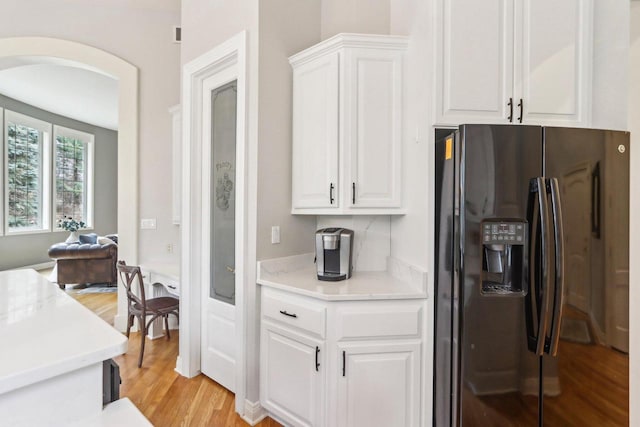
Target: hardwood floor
594,391
169,399
162,395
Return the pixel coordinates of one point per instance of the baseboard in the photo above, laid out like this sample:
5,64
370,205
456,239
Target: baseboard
253,412
41,266
183,370
120,322
529,386
178,368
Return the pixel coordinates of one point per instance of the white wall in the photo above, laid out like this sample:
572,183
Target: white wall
355,16
633,93
412,234
140,32
206,24
286,27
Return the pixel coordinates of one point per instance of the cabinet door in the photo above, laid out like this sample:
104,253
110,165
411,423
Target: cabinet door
379,385
555,45
291,376
474,52
373,127
315,134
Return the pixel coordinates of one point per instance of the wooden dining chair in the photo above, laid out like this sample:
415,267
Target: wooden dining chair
138,306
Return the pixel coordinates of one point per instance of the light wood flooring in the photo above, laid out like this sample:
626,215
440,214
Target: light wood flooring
594,384
162,395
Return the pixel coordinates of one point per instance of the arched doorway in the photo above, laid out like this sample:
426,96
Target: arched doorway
127,75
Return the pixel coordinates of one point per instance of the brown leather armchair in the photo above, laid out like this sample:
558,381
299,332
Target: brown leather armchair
85,263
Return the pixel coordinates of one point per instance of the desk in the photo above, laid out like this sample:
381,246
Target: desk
52,353
168,277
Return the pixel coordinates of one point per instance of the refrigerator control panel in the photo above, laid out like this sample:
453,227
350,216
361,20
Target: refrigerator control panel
504,256
504,232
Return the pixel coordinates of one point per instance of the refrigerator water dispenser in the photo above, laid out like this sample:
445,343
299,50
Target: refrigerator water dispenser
504,254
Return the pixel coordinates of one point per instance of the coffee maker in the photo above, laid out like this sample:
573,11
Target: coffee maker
334,247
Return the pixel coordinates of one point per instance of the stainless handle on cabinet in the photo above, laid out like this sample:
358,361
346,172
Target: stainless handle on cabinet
344,367
521,105
353,193
510,104
546,279
558,238
288,314
331,187
317,352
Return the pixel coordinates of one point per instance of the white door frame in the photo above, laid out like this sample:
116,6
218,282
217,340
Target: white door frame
97,60
231,54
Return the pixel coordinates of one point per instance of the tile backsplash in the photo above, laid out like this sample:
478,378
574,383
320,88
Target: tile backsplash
372,238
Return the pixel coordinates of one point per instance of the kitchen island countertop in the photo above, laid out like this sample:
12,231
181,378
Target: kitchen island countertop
46,333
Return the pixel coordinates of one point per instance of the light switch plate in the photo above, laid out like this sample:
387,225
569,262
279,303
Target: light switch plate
275,234
148,224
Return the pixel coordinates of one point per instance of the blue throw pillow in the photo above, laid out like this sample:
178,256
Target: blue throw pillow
88,238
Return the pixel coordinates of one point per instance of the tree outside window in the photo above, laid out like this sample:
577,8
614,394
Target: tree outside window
73,165
26,189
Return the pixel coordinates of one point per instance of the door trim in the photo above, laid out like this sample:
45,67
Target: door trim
229,56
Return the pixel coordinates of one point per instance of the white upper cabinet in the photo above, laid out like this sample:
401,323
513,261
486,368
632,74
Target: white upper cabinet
347,118
315,130
372,120
514,61
475,61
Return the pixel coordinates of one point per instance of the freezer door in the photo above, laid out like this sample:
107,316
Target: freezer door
497,379
586,384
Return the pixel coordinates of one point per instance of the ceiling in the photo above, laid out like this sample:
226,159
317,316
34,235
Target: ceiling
62,87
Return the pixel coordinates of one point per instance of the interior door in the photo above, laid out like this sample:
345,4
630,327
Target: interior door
218,317
575,192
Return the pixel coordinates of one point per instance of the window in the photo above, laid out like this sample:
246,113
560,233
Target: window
43,180
27,157
73,175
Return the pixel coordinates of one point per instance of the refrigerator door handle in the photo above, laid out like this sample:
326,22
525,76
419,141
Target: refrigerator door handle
558,238
546,279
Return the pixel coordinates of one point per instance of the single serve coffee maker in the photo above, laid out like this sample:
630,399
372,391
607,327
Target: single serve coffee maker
334,247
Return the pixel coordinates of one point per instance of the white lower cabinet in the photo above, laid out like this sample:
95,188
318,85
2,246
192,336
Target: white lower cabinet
291,379
379,385
363,370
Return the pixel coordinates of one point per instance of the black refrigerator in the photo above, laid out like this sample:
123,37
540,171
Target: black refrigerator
532,276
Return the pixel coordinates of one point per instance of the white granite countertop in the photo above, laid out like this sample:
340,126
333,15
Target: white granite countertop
297,274
46,333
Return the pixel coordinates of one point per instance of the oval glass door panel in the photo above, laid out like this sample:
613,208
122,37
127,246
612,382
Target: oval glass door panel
223,177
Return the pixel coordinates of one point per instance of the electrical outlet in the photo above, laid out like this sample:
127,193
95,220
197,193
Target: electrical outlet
170,248
275,234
